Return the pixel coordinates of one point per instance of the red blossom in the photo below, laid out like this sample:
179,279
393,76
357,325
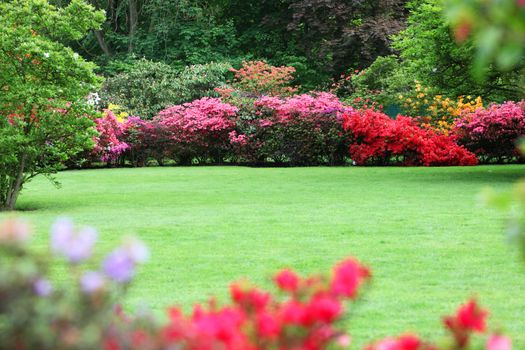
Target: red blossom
348,275
268,326
287,280
324,309
469,318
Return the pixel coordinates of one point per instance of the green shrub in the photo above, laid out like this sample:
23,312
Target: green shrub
150,86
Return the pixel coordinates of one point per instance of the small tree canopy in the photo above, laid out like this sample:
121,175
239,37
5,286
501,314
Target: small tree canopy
44,115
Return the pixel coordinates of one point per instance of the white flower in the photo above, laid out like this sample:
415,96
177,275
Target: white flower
75,55
434,69
46,54
93,99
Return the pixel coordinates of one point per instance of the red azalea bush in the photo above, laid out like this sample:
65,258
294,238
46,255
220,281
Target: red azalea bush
377,139
492,132
81,313
301,130
199,129
108,143
256,319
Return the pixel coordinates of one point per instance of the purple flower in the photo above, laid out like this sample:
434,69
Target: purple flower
119,266
92,282
120,263
42,287
74,246
137,251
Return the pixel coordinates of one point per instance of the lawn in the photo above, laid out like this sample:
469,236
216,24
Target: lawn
429,243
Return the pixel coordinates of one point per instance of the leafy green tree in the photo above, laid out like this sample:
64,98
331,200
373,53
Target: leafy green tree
176,32
44,116
430,53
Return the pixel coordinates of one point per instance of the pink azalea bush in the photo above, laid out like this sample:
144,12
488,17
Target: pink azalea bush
108,143
302,129
492,132
198,129
148,139
303,315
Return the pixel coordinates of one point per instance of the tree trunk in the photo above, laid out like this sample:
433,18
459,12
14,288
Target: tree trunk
101,42
133,20
16,186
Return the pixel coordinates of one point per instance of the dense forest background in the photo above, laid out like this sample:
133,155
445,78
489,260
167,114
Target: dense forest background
320,38
396,41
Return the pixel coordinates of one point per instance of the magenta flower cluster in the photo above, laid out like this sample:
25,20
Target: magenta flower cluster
109,144
202,121
492,132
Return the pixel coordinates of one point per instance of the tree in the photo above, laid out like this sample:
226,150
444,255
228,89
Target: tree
346,33
177,32
497,29
44,115
430,53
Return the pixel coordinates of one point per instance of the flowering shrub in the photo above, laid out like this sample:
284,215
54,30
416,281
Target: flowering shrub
82,315
199,129
492,133
302,130
435,111
258,78
108,143
377,139
304,319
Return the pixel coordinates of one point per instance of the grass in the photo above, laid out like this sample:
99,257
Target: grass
429,243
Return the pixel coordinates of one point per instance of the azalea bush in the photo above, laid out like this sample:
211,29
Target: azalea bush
108,143
377,139
199,129
146,140
301,130
435,111
469,319
83,312
492,132
258,78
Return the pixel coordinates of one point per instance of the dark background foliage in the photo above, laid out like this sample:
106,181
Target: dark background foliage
320,38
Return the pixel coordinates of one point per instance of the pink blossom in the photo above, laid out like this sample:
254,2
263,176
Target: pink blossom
499,342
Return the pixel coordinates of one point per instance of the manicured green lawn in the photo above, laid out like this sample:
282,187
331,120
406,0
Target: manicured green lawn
429,243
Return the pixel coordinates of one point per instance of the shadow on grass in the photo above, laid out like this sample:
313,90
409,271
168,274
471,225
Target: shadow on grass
23,206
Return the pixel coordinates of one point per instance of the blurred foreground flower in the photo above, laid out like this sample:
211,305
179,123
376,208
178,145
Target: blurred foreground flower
82,312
